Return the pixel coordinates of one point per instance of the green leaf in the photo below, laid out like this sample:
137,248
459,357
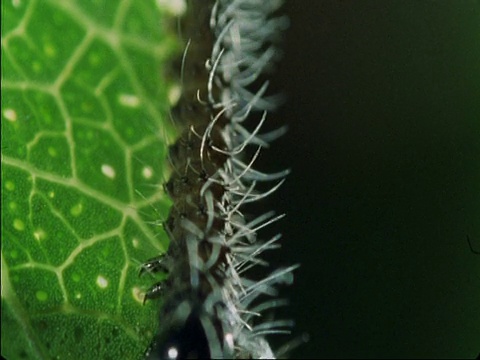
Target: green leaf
84,132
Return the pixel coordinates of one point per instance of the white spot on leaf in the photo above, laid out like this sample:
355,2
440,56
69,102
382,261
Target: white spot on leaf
129,100
174,94
10,115
102,282
135,243
39,234
147,172
108,171
137,295
176,7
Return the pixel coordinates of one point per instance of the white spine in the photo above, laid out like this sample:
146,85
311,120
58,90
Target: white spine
245,48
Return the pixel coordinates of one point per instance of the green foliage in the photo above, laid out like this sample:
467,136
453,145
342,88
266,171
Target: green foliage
84,128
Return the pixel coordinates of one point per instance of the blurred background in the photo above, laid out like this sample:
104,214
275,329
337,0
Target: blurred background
384,145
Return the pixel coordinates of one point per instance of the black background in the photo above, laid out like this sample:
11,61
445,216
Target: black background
384,145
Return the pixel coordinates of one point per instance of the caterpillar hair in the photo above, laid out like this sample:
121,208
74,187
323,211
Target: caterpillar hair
212,309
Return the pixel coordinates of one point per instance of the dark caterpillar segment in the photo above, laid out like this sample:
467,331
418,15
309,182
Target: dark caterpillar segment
192,66
205,298
195,158
187,152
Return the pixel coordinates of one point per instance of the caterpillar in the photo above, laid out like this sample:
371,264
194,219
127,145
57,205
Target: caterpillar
211,308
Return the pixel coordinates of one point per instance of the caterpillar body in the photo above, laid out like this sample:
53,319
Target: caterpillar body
211,308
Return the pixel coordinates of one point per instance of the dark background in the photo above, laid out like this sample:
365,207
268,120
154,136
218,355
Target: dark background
384,145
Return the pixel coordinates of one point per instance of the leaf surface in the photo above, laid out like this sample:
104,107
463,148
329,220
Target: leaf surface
84,133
